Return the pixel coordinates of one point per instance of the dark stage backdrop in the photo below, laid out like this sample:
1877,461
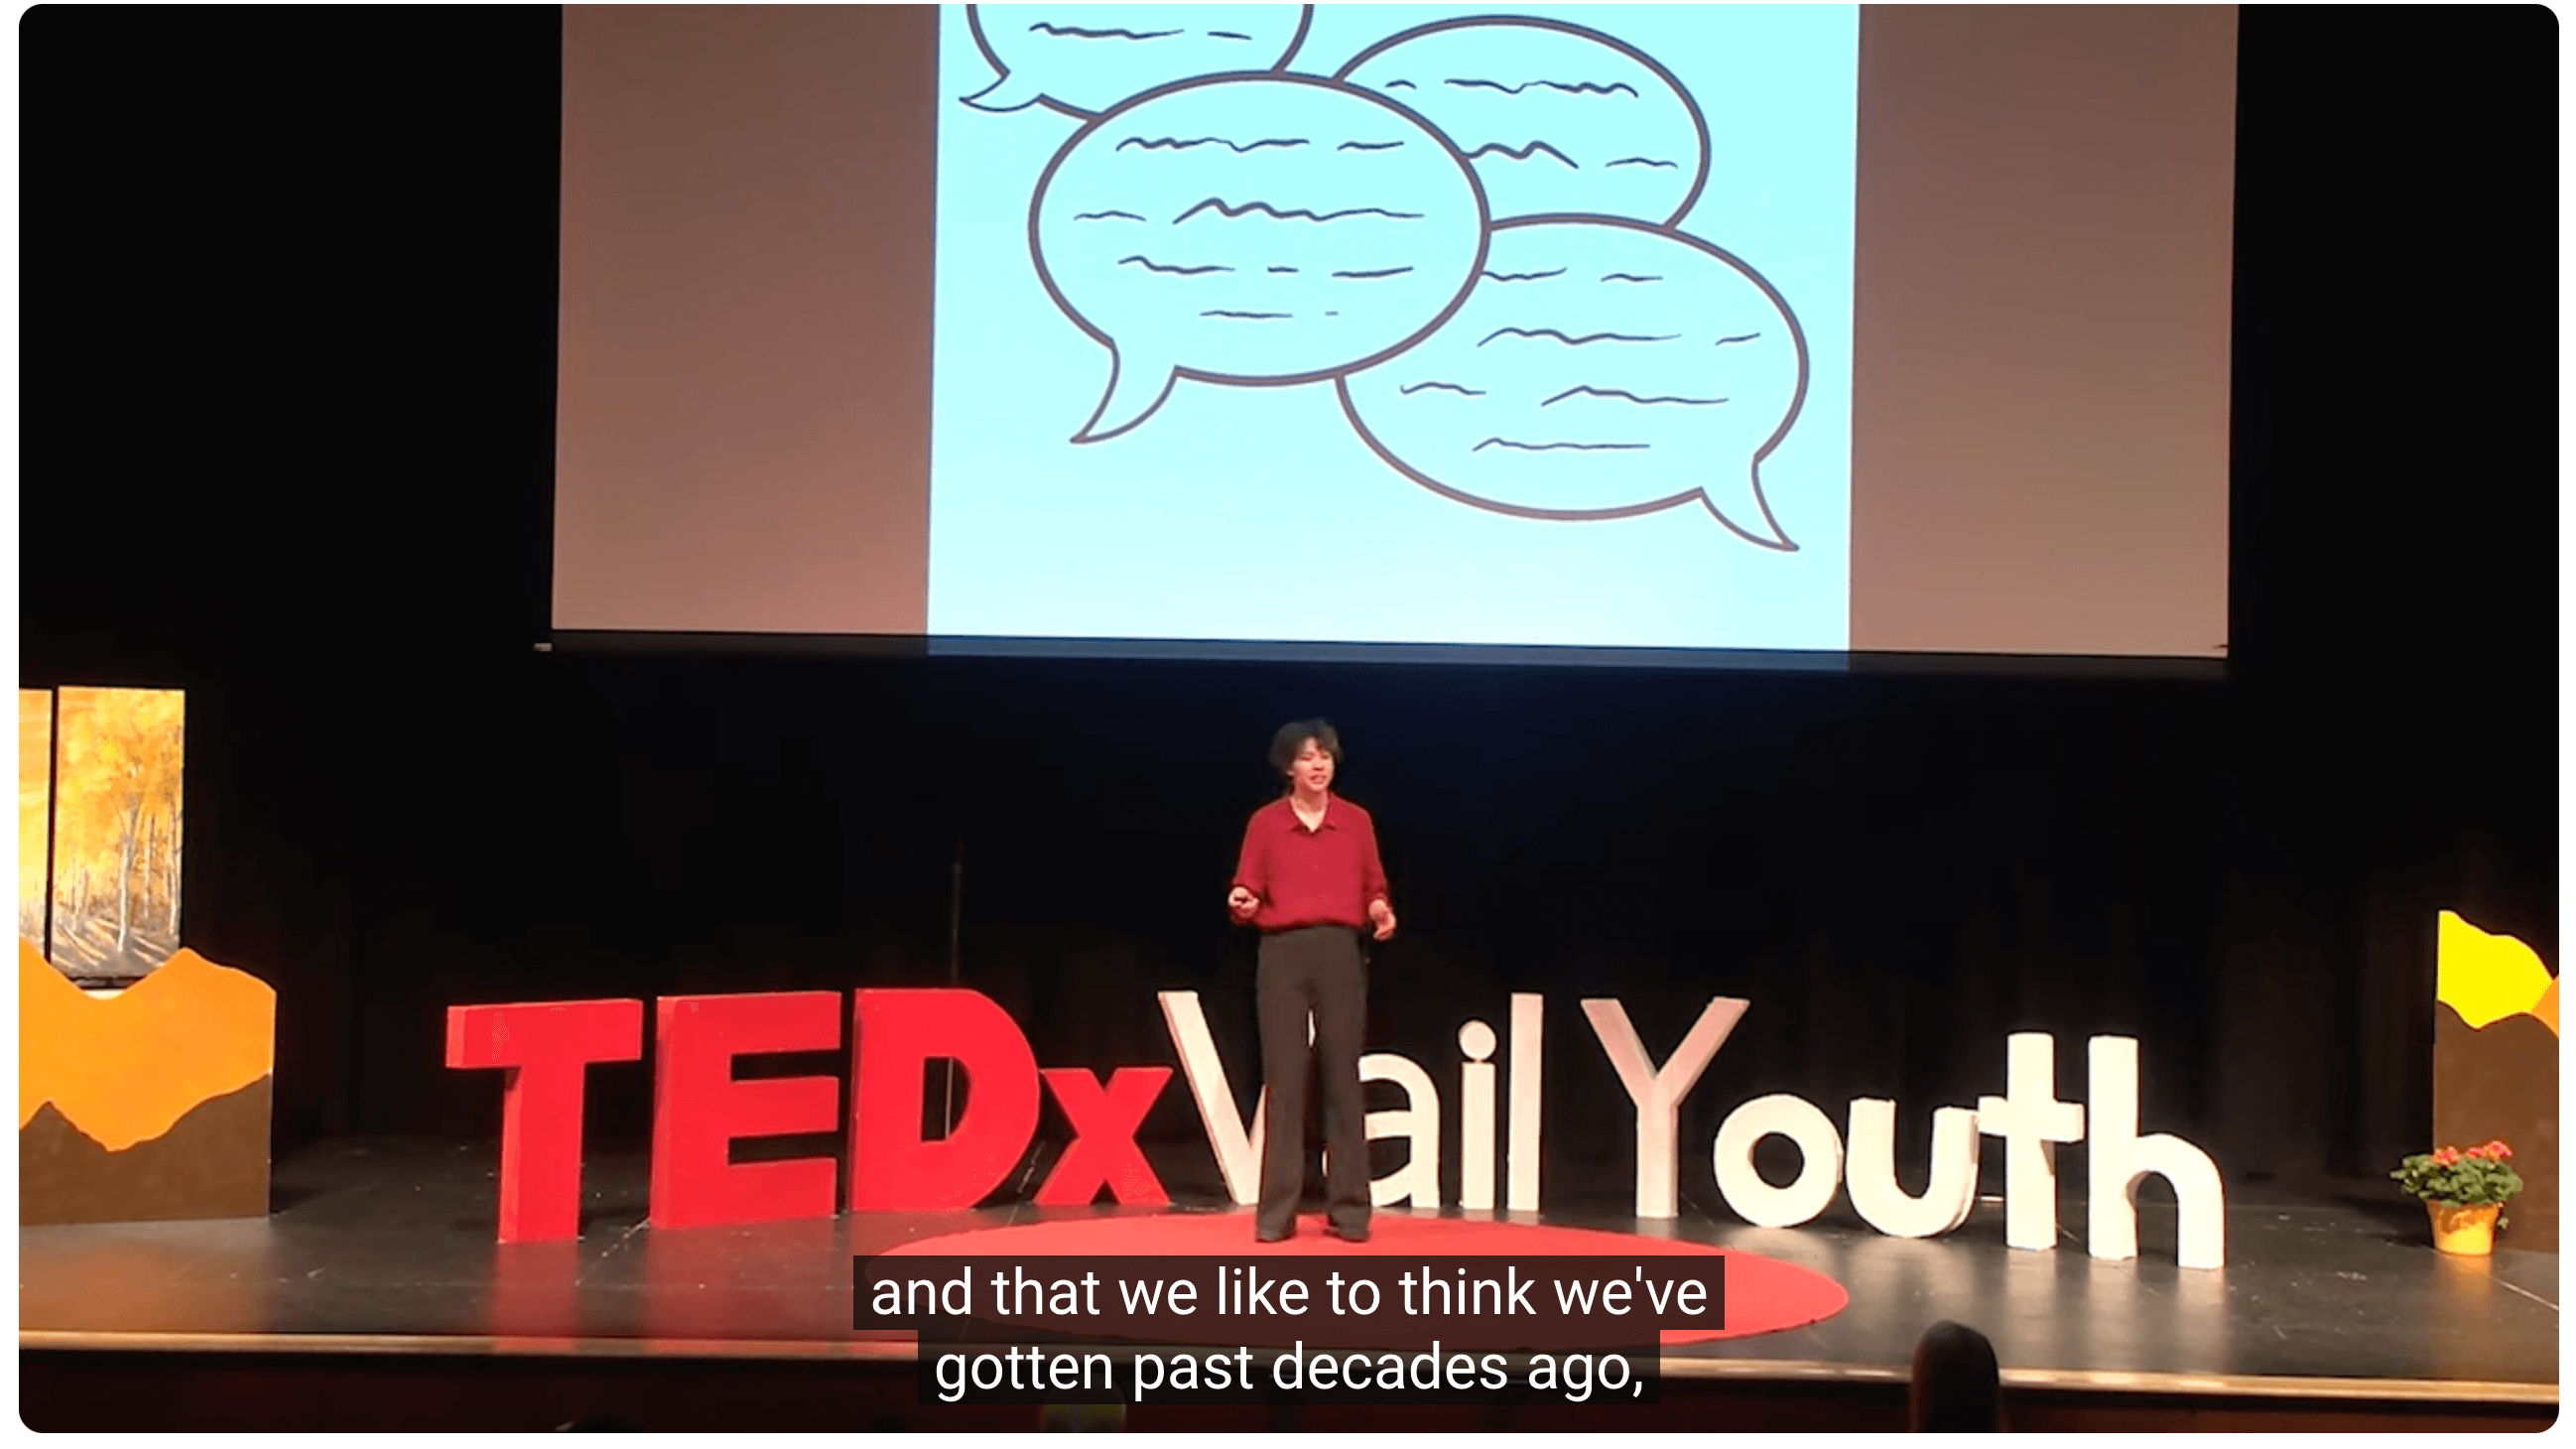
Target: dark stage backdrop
288,286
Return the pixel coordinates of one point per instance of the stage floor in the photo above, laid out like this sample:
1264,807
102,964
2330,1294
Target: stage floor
383,1245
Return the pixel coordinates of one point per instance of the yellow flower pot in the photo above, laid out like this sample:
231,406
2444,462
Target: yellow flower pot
2467,1229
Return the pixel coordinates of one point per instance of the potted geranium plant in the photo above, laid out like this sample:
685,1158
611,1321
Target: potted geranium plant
2465,1192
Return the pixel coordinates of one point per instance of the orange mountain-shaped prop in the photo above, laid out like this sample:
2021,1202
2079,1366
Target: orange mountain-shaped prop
152,1103
2495,1064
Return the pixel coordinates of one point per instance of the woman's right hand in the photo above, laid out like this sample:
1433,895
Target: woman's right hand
1243,904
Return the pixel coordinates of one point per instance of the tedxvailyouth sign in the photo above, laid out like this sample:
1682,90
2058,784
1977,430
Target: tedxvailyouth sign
700,1109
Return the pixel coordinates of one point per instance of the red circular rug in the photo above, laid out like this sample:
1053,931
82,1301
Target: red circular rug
1763,1295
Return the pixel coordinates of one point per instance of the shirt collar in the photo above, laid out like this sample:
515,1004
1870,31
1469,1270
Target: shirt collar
1332,812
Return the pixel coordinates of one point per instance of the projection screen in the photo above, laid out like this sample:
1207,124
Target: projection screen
1799,328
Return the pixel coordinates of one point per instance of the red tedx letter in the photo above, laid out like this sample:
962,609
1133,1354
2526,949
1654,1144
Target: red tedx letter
896,1032
544,1045
1104,1147
699,1109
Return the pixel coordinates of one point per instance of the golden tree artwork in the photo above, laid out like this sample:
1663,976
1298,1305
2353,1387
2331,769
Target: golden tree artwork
35,807
117,757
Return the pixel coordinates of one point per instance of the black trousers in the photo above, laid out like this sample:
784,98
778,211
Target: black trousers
1319,969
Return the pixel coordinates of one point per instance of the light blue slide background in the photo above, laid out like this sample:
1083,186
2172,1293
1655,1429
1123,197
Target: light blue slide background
1257,513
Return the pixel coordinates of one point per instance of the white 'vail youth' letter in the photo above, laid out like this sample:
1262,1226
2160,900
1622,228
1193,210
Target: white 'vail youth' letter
1238,1154
1417,1182
2119,1158
2031,1121
1476,1117
1870,1171
1820,1164
1529,1021
1658,1093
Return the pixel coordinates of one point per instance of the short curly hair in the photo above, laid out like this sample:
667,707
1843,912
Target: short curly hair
1292,738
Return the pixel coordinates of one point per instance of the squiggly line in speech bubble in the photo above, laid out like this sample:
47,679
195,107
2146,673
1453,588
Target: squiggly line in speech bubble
1322,228
1575,139
1644,370
1083,69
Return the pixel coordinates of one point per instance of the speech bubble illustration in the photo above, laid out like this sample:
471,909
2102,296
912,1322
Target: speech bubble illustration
1259,231
1557,119
1601,368
1083,59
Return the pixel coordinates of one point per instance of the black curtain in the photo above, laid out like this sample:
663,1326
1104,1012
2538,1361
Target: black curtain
286,407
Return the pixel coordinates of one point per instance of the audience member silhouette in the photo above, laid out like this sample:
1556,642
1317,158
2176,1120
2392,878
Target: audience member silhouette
1957,1386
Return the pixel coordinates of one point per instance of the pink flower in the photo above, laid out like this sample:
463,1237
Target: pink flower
2446,1156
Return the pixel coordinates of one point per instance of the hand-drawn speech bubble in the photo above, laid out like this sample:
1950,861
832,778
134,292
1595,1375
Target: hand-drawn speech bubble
1601,368
1556,118
1256,230
1083,59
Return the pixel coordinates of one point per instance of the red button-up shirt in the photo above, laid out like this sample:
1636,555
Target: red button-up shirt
1327,876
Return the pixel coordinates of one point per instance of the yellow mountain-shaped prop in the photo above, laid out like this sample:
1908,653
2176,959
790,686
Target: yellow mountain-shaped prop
2486,977
122,1069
